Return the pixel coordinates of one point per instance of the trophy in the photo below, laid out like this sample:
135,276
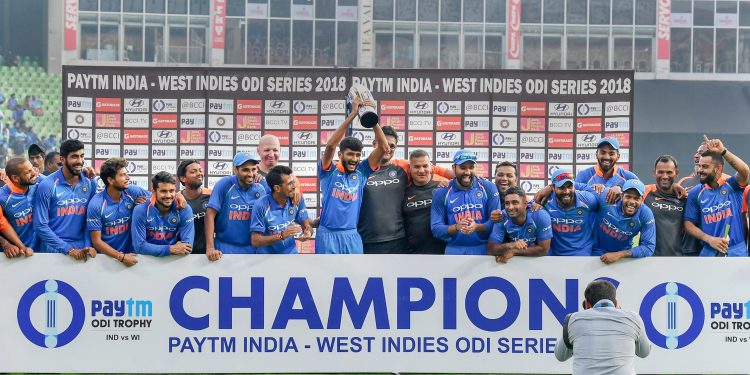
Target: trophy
367,115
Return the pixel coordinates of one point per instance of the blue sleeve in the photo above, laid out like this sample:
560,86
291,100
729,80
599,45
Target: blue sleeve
266,188
217,194
257,222
732,181
187,227
438,216
543,226
498,231
584,176
94,215
366,168
41,221
324,172
301,212
136,191
138,233
493,203
692,208
583,187
628,175
594,201
647,243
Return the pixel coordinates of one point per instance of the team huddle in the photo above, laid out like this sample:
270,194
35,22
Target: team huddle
381,205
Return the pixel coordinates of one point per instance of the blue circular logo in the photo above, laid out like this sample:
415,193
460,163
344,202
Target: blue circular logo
672,291
51,290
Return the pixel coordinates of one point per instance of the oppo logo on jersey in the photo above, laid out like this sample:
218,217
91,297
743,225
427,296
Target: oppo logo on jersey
280,227
422,203
615,232
239,211
383,182
468,210
158,234
23,217
345,193
715,214
717,207
22,213
565,225
467,206
72,206
666,207
70,201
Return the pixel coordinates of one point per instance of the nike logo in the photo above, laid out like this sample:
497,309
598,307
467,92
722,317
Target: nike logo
149,219
270,219
234,197
552,210
410,198
658,199
14,205
59,194
454,200
110,214
704,200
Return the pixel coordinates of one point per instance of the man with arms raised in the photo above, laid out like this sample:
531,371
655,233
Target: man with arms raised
60,204
190,174
159,227
110,212
460,212
522,232
342,186
230,209
716,205
617,224
15,198
276,220
417,205
572,215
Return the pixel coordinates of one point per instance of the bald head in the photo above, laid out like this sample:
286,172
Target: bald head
269,151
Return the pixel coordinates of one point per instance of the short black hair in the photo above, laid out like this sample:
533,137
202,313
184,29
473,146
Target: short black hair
182,168
274,175
666,159
52,157
70,145
715,156
350,143
34,150
162,177
389,131
516,190
13,167
598,290
110,167
419,153
507,164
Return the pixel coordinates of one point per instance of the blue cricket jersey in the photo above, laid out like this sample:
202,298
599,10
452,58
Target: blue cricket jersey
342,194
270,218
615,232
713,209
18,210
153,234
535,229
573,228
594,175
451,204
234,207
60,213
112,218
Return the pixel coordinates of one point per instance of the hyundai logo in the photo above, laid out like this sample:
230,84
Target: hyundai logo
448,136
277,104
589,137
137,103
220,166
164,134
304,136
420,105
561,107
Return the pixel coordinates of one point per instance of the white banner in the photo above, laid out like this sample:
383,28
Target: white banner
430,314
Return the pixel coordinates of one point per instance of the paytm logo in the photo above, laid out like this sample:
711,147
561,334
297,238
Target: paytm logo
51,291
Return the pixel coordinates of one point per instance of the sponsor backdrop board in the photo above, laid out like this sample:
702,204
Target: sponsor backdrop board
424,314
156,117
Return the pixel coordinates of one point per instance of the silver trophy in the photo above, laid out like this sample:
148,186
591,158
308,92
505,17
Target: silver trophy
367,115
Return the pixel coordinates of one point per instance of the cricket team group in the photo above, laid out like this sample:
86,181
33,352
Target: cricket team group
381,205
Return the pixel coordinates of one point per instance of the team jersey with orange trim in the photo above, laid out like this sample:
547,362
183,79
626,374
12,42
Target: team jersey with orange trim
153,233
269,218
714,209
668,211
234,208
342,194
113,219
595,176
17,206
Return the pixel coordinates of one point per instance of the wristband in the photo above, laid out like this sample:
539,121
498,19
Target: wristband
725,151
281,237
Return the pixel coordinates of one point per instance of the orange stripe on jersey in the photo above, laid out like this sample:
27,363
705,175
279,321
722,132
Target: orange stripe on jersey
600,173
4,224
13,187
649,189
205,191
744,199
438,178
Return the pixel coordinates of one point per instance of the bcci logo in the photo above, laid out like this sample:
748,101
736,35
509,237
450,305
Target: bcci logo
51,292
670,336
